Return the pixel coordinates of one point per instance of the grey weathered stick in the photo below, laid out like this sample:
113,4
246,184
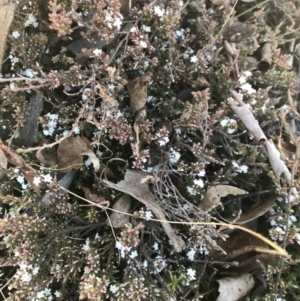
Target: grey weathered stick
28,131
279,167
133,186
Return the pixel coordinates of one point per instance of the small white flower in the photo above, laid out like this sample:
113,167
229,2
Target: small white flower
242,169
88,162
247,88
174,156
65,133
145,263
191,254
26,277
118,23
242,79
143,44
201,173
191,273
24,186
20,179
133,254
194,59
148,215
86,246
163,141
155,246
47,178
146,28
248,73
159,264
199,183
230,130
76,130
191,190
113,288
224,122
57,294
15,34
179,34
97,52
31,20
158,11
186,56
29,73
35,270
36,181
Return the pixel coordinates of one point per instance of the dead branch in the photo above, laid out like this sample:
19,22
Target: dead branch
134,186
279,167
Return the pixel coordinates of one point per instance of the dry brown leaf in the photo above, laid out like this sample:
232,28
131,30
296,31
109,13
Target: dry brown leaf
234,288
7,10
16,160
106,97
132,185
3,164
69,153
46,159
117,219
254,212
106,172
137,90
266,53
240,247
214,194
98,199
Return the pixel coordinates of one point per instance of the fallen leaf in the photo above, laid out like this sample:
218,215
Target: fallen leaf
43,157
7,10
132,185
254,212
69,153
245,249
95,198
3,164
106,97
234,288
137,90
266,53
214,194
117,219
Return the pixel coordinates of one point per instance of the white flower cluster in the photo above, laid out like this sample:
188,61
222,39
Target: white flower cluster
230,124
159,264
191,275
192,252
13,60
31,20
158,11
278,230
117,22
123,249
46,178
198,183
49,128
174,156
15,34
240,168
29,73
148,215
